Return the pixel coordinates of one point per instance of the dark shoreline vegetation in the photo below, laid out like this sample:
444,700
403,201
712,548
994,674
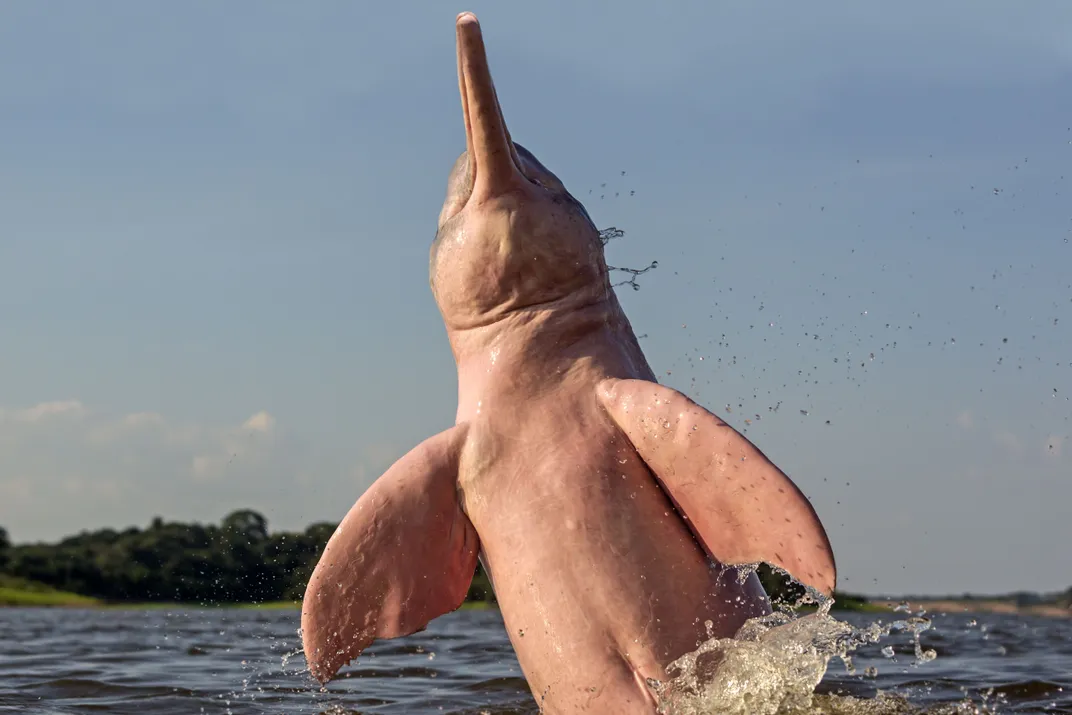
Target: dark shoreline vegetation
236,563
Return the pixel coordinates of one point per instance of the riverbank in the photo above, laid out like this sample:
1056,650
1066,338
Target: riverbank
20,593
981,605
27,594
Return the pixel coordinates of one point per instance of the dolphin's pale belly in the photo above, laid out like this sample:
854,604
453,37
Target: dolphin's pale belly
600,581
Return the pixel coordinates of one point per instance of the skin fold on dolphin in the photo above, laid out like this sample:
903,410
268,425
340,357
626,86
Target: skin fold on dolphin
606,508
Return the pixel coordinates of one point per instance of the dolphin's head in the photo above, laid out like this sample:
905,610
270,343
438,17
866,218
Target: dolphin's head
510,236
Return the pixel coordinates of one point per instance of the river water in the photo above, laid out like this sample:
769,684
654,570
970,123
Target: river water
247,661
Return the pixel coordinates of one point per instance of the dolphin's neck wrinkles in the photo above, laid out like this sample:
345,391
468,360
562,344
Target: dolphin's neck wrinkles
532,350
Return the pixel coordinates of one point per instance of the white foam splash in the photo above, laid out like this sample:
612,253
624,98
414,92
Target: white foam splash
774,664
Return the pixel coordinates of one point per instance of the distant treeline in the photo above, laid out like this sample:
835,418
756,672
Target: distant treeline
1019,598
238,561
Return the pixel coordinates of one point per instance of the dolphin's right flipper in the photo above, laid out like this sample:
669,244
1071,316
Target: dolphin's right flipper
404,554
739,506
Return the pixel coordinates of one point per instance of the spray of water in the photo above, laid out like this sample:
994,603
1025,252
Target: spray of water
774,663
609,234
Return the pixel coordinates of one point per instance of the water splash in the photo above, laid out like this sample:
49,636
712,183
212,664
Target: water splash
775,662
609,234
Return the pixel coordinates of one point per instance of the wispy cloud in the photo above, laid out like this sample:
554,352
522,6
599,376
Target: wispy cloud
248,443
1008,441
60,461
46,410
965,419
66,466
260,422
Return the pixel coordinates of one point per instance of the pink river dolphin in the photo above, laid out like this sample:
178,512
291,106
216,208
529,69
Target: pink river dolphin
607,509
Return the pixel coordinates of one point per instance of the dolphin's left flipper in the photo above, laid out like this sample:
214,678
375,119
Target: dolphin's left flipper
405,554
742,508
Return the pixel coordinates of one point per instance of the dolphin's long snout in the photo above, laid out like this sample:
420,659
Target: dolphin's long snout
493,162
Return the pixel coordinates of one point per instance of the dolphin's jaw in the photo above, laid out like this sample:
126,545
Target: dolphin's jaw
514,254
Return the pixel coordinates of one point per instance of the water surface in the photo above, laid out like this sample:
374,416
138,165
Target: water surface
242,661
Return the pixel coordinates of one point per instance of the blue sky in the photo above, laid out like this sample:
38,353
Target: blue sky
215,219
